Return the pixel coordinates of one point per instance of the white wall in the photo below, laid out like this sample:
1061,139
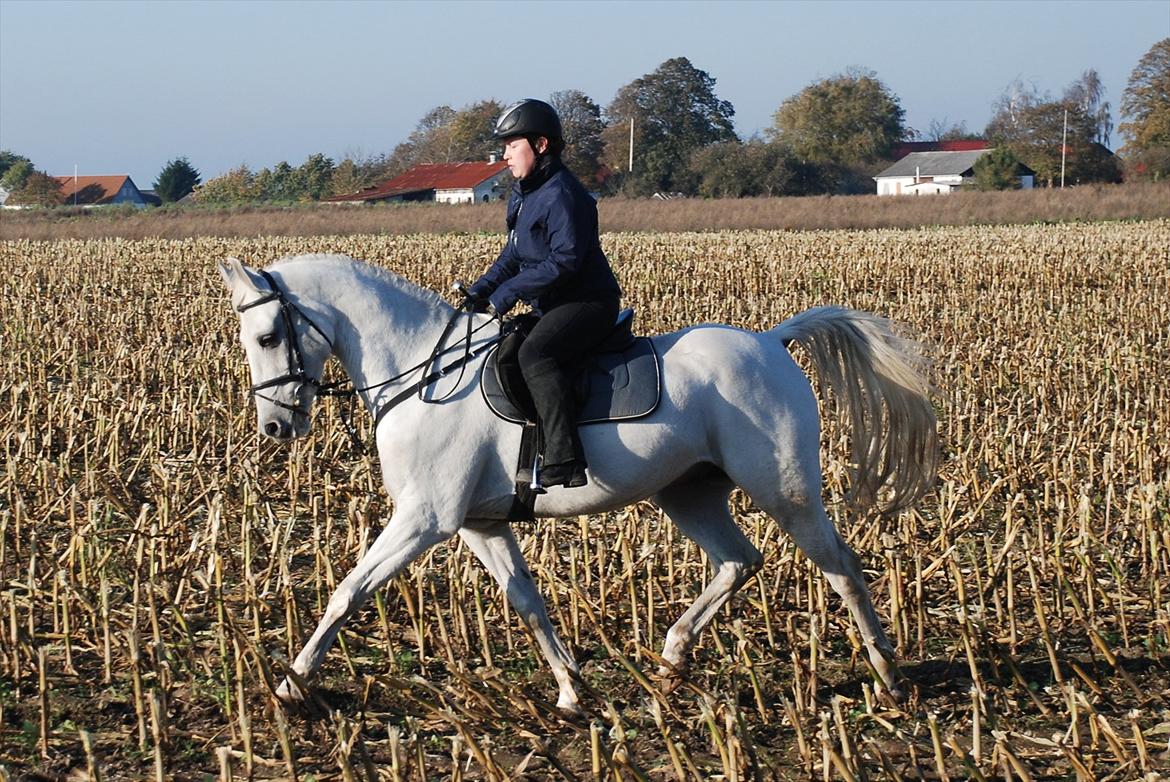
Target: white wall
461,195
893,185
929,188
897,185
467,195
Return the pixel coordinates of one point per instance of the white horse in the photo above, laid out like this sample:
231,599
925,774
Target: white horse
736,410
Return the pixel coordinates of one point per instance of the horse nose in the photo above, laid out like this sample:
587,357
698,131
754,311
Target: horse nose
273,429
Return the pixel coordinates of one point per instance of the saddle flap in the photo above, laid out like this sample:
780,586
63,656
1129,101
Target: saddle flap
618,386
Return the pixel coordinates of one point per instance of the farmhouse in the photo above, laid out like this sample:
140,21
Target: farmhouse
448,183
930,173
100,190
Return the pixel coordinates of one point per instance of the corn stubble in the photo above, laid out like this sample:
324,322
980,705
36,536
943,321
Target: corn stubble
160,563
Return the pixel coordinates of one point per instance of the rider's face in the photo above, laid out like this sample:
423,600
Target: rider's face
520,156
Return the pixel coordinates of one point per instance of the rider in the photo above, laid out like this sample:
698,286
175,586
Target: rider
553,262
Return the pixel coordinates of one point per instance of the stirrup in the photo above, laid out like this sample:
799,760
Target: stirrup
535,485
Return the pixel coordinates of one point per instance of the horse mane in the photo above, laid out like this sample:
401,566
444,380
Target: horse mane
367,272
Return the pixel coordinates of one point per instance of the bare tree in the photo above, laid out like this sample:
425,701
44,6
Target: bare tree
1088,94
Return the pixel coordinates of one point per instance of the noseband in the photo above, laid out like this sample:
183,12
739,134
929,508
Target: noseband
296,359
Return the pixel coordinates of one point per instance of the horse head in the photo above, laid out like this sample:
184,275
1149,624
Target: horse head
286,350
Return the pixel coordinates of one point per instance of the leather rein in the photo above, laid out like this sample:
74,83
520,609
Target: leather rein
297,373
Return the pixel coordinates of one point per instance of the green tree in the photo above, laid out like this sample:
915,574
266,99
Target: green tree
851,119
1146,102
997,170
582,126
1046,134
674,111
754,168
444,135
316,176
237,186
473,132
177,178
39,189
16,175
724,171
346,178
9,159
282,184
356,172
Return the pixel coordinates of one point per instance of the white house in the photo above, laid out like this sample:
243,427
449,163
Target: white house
931,173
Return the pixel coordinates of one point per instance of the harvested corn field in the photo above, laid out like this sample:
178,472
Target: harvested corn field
160,562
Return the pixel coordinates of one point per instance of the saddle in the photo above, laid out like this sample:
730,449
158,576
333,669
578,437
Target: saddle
619,381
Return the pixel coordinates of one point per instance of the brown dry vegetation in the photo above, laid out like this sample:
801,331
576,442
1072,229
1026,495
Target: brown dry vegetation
1093,203
159,561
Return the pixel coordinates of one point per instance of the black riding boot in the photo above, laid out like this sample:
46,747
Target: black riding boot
564,462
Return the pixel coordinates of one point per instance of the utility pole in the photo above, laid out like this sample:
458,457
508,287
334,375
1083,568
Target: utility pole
631,144
1063,147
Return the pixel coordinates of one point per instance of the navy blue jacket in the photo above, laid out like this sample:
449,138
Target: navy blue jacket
553,254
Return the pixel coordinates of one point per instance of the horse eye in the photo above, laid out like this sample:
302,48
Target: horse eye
269,340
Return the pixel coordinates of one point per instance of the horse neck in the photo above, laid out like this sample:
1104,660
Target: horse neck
383,325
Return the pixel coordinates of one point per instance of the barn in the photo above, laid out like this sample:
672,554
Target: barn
448,183
100,190
934,173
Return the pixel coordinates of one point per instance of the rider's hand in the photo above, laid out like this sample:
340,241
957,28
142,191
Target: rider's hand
474,303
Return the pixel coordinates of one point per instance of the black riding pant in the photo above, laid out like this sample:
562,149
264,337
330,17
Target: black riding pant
554,346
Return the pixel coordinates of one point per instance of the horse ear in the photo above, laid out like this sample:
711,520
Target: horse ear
234,274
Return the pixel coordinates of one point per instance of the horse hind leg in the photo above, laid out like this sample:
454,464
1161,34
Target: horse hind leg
813,532
699,510
495,546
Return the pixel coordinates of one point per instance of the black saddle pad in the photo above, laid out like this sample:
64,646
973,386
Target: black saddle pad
612,387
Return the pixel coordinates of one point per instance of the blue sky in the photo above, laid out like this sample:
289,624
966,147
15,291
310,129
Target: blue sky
123,87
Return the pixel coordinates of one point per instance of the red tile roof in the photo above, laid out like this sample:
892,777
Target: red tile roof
953,145
429,176
91,189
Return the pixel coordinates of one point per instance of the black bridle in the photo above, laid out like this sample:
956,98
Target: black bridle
296,358
297,373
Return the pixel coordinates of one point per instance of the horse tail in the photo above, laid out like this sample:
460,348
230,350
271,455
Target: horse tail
878,381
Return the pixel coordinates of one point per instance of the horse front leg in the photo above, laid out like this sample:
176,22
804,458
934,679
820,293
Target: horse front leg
410,532
495,545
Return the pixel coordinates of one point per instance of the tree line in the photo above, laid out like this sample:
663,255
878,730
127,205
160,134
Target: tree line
669,132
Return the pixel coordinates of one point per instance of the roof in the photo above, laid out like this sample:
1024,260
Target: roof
934,164
91,189
951,145
429,176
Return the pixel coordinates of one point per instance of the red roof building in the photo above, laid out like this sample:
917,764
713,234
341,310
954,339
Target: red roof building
903,149
100,190
452,183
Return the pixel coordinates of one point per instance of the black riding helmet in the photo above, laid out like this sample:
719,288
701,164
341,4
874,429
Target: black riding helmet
531,118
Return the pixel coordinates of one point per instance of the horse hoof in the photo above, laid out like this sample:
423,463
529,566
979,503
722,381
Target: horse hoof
669,679
893,695
290,694
572,713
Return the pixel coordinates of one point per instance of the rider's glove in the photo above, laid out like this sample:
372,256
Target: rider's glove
475,303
